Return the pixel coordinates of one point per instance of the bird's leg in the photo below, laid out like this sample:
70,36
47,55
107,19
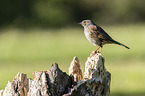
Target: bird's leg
94,52
101,49
97,49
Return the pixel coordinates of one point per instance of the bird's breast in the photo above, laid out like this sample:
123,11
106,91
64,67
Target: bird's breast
88,35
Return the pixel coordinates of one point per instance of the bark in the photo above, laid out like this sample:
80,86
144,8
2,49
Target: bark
55,82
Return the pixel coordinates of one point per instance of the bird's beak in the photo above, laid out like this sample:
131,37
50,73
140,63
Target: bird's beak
80,23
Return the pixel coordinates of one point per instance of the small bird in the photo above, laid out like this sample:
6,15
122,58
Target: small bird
97,36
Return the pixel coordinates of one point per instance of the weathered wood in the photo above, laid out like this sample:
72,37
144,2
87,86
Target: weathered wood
54,82
17,87
97,77
75,70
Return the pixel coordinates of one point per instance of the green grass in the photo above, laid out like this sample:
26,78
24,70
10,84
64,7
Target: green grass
36,49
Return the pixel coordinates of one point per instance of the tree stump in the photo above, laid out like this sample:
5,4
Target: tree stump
55,82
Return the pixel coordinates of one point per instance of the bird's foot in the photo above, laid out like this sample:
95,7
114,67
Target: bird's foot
94,52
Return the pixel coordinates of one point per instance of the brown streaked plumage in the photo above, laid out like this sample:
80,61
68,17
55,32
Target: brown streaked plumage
97,36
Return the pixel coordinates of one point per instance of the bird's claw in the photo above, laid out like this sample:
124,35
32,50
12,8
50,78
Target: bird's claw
94,52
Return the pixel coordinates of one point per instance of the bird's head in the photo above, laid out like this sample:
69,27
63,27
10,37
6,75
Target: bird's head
86,23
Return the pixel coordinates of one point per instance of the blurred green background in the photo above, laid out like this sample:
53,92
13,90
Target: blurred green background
37,33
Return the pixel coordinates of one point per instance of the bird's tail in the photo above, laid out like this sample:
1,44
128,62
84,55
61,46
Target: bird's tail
120,44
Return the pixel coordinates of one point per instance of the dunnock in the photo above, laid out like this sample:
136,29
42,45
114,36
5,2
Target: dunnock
97,36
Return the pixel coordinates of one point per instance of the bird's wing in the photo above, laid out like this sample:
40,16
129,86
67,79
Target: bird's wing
98,32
